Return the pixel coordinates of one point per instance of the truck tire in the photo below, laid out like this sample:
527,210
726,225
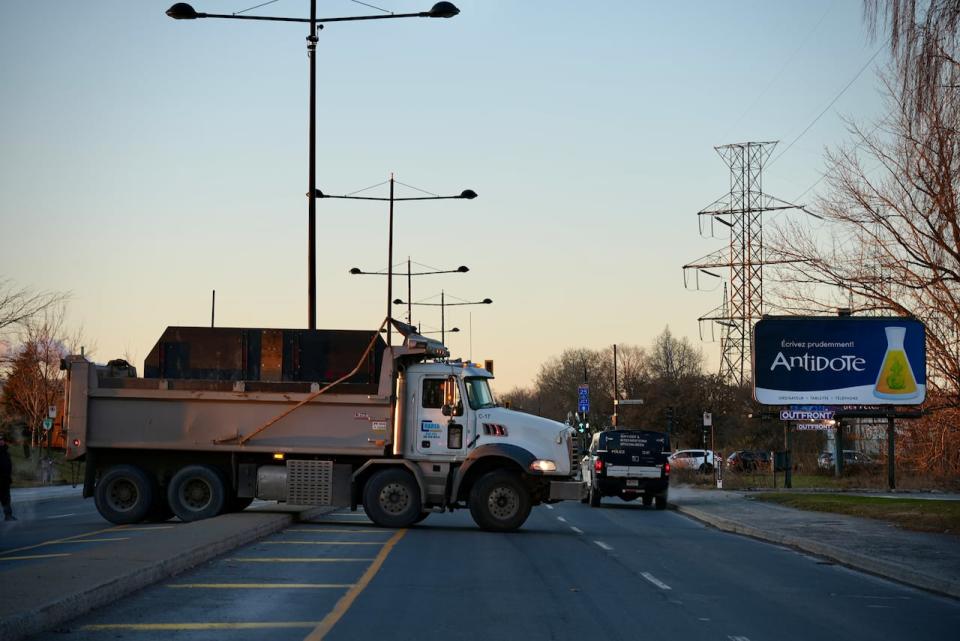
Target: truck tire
647,500
197,492
124,494
499,501
594,496
391,498
422,516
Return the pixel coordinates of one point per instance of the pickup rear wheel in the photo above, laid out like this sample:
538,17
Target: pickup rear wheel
661,502
197,492
391,498
124,494
594,496
499,501
647,500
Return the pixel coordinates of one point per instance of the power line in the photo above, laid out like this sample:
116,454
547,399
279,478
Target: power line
827,108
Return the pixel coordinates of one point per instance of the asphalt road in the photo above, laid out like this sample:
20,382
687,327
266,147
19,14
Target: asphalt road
47,519
620,572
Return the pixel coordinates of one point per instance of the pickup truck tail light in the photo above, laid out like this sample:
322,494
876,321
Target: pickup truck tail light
598,466
666,468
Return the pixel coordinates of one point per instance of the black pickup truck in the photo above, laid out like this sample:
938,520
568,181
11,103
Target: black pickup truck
628,463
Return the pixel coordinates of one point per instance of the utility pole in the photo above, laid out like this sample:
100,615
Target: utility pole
616,388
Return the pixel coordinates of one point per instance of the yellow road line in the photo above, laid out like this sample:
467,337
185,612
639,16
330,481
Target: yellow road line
56,541
347,599
324,530
31,556
287,559
103,540
321,542
261,586
200,626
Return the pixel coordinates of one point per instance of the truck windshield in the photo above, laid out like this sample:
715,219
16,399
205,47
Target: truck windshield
478,394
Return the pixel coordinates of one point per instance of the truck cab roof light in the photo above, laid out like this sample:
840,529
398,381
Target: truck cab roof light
278,456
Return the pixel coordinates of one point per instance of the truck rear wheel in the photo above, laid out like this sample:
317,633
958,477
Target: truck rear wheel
499,501
124,494
391,498
196,492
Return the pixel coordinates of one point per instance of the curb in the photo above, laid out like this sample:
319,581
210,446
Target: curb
849,558
59,609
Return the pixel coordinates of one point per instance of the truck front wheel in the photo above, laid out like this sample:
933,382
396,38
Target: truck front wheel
196,492
499,501
391,498
124,494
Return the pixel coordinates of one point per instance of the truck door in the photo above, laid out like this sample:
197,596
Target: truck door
436,433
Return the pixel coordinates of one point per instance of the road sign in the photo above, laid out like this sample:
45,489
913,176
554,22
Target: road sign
630,401
48,424
583,398
52,411
707,419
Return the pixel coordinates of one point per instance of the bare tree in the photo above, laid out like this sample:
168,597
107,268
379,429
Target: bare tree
673,359
19,305
923,43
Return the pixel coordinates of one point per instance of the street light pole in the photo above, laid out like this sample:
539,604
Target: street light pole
462,269
183,11
443,305
466,194
312,178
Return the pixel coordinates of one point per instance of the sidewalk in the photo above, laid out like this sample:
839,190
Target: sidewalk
924,560
53,590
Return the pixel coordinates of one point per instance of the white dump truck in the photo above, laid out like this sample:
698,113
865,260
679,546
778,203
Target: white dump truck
225,415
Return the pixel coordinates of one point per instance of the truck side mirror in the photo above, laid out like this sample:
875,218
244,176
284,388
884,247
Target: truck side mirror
446,410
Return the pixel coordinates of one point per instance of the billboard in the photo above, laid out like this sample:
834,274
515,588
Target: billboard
839,361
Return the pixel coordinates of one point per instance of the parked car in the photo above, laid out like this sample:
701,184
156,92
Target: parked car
628,463
748,460
851,458
700,460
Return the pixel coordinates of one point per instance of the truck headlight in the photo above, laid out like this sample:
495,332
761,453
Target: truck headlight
543,465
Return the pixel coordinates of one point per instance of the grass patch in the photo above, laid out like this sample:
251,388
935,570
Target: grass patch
27,472
913,514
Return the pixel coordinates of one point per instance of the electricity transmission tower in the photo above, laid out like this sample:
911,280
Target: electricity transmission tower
740,214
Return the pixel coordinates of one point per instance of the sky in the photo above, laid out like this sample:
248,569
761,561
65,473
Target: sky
145,162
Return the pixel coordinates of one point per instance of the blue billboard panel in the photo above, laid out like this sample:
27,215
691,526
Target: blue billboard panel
839,361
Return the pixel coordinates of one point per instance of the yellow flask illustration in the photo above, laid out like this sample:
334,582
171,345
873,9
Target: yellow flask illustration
896,379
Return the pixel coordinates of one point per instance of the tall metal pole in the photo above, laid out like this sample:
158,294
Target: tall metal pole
213,307
390,271
312,188
409,293
443,326
891,460
616,387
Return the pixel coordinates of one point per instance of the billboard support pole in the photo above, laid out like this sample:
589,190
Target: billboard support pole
838,450
891,461
787,456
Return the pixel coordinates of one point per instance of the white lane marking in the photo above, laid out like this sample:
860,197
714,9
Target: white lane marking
604,545
576,529
549,507
561,519
60,516
735,638
657,582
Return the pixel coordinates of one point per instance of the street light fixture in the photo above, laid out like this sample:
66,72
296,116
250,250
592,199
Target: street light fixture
462,269
443,305
183,11
466,194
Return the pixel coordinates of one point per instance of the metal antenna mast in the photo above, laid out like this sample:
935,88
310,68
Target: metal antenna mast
740,212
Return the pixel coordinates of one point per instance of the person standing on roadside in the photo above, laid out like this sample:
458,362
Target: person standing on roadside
6,474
